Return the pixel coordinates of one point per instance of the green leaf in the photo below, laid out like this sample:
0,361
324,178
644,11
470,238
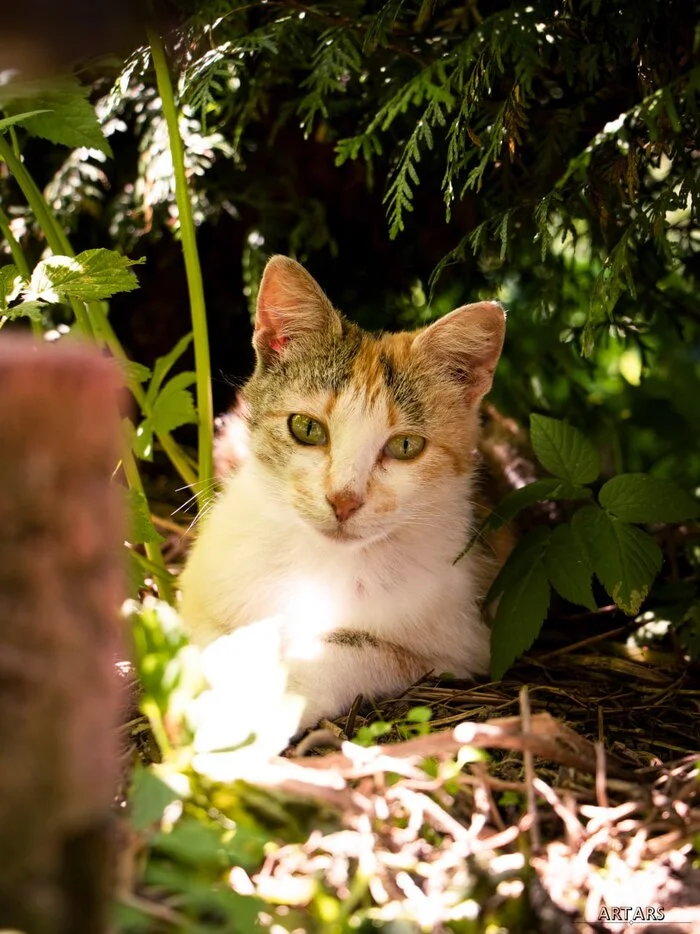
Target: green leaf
90,276
142,530
192,843
132,371
163,366
536,492
19,118
625,559
567,567
62,115
563,450
524,588
196,893
33,310
419,715
11,284
637,497
174,405
142,440
148,798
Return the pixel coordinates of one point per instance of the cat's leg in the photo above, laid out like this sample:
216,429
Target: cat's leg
274,671
330,672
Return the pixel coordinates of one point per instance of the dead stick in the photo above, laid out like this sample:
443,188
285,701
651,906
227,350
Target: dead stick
547,738
529,772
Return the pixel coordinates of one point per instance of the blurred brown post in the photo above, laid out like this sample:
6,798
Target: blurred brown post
60,590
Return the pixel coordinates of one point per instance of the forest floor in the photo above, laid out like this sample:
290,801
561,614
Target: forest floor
564,798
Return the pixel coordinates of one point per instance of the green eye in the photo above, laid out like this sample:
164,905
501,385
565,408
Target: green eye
307,430
404,447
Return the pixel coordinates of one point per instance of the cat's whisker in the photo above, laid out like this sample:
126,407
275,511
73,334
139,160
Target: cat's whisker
198,518
204,486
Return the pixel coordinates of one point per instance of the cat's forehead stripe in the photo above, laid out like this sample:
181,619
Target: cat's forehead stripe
384,369
380,368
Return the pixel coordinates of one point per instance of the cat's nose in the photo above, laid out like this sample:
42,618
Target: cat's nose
344,503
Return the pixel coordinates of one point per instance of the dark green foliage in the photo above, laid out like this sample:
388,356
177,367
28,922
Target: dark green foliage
598,541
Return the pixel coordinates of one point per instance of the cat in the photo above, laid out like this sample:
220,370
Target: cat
354,493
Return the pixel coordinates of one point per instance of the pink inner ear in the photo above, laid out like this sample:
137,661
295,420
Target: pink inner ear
278,344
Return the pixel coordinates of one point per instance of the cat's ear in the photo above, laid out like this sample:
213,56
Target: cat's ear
468,344
291,304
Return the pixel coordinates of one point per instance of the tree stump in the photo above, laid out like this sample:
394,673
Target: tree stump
61,540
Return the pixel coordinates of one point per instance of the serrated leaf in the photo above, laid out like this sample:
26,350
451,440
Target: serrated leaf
164,364
33,310
62,115
637,497
135,576
19,118
142,530
174,405
90,276
11,284
567,567
563,450
625,559
148,798
524,602
132,371
536,492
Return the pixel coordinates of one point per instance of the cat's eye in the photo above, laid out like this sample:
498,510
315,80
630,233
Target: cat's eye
404,447
307,430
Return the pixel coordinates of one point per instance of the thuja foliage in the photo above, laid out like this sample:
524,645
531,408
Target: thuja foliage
574,119
541,152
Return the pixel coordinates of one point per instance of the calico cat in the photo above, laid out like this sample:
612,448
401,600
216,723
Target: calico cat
341,524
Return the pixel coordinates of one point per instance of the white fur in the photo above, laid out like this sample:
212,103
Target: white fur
262,559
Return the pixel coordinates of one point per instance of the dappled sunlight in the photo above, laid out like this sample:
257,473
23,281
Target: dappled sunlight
247,713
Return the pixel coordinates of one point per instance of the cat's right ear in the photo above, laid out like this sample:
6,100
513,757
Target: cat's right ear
291,304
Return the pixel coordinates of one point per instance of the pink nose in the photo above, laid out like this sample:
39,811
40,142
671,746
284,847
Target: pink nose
344,503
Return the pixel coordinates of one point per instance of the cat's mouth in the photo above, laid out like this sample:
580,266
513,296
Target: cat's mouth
340,534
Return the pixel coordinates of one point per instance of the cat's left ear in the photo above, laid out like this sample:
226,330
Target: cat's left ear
468,344
291,304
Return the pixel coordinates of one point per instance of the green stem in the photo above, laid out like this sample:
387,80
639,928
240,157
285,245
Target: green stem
153,552
15,141
20,262
16,250
152,711
173,450
193,270
93,321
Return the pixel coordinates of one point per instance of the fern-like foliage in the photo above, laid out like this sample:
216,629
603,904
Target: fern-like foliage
543,127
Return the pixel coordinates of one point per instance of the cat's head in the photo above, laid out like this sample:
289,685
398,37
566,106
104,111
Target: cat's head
364,434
